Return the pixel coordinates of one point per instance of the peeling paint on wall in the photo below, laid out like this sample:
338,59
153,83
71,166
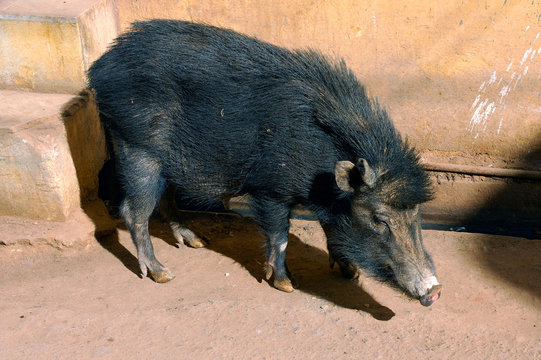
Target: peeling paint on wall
492,94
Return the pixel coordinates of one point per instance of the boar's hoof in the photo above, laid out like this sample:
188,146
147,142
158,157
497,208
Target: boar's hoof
432,295
186,236
162,277
268,271
288,284
195,242
284,285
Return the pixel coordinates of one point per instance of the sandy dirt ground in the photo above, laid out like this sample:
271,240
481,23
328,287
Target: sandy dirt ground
90,302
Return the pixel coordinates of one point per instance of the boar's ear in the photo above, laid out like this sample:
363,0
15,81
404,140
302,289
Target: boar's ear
367,174
341,173
350,176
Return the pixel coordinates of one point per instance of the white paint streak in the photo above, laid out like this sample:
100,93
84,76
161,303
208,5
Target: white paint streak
525,56
283,247
479,109
503,92
492,79
489,110
482,86
483,106
518,79
476,101
479,114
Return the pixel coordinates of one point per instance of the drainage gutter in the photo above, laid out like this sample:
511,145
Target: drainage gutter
482,170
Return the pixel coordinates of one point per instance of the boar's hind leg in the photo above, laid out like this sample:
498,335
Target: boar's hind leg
143,185
169,210
274,220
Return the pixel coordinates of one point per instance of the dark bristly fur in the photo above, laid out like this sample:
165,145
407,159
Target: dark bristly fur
216,114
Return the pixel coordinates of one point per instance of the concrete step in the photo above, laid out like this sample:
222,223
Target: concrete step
51,150
47,45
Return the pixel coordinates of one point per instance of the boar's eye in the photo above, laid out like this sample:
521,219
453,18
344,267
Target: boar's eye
380,220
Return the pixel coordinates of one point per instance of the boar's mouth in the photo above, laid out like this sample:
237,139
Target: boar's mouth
431,296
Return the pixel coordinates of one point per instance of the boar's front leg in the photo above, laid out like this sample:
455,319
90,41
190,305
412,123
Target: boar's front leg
276,256
274,220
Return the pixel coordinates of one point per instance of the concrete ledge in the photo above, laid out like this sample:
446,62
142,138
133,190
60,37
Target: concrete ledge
48,163
38,179
47,45
79,229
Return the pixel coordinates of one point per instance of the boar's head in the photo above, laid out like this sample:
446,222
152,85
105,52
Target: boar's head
377,226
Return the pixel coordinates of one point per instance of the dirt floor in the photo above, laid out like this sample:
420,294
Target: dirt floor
90,303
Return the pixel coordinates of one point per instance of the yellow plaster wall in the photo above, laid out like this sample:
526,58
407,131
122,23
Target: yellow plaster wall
461,79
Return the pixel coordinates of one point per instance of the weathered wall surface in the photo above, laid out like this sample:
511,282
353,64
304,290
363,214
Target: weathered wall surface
44,55
461,79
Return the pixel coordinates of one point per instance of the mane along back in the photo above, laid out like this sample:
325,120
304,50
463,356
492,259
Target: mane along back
361,128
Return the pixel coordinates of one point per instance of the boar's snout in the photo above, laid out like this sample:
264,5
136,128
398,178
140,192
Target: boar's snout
432,295
419,282
428,290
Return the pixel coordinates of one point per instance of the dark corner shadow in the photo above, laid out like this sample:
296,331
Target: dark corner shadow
240,239
514,210
88,149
